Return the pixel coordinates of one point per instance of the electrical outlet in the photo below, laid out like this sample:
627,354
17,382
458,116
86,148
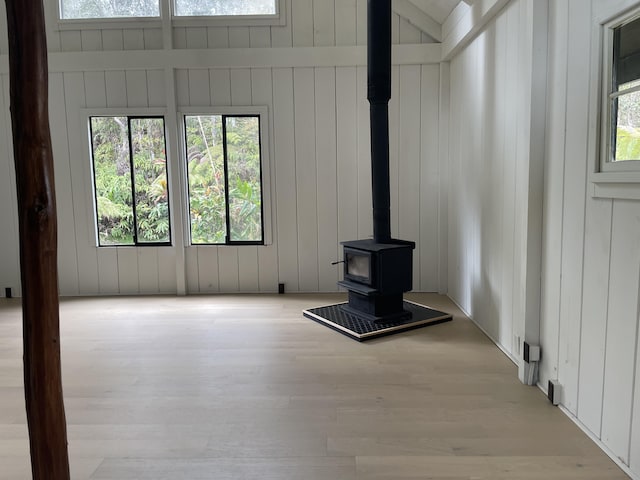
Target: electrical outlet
531,353
553,392
517,341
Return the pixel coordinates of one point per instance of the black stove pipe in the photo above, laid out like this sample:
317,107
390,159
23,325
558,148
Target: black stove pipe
378,94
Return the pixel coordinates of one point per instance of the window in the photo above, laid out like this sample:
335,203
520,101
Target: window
130,180
82,9
621,129
216,8
224,169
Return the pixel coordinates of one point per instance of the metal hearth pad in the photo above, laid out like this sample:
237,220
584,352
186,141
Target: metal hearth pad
359,329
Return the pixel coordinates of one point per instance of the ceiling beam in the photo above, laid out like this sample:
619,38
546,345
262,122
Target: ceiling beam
418,18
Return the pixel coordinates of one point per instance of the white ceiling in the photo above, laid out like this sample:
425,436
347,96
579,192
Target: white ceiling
439,10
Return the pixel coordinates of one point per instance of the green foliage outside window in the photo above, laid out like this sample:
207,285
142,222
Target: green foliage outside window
628,124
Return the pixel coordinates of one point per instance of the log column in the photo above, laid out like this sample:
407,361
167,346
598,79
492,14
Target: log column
38,239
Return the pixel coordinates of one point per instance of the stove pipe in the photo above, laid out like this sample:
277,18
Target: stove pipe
378,94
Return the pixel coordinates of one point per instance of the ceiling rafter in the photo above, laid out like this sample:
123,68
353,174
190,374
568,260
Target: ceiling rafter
418,18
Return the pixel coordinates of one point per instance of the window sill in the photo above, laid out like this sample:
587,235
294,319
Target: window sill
109,23
619,185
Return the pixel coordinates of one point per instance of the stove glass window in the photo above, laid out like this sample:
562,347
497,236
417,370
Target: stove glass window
358,265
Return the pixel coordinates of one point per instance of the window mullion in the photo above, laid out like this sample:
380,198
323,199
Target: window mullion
227,239
626,91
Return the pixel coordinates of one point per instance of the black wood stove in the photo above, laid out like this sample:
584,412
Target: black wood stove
376,275
377,271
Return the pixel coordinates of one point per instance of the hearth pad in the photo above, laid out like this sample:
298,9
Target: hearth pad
359,329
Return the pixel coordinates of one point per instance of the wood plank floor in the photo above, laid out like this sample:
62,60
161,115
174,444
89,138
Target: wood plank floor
244,387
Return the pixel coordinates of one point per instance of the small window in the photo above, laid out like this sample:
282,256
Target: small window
224,167
224,8
100,9
621,129
130,180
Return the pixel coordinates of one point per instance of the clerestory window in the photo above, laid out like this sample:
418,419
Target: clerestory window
102,9
224,8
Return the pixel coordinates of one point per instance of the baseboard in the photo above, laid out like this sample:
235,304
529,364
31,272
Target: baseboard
624,467
502,348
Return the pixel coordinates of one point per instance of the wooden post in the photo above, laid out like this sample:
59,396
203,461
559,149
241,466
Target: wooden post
33,159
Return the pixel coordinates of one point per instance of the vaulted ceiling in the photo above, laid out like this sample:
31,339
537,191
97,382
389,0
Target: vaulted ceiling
439,10
427,15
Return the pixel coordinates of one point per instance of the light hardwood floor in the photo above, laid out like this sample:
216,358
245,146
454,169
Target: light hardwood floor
245,387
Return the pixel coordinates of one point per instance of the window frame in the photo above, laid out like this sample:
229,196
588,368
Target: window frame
607,164
262,112
167,10
87,115
275,19
105,23
608,179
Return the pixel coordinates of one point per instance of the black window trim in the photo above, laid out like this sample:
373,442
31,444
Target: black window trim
136,243
228,241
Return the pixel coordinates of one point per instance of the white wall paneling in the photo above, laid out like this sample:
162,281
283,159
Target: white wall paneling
409,162
412,54
285,173
133,39
4,40
394,167
109,279
591,263
579,30
68,260
345,22
324,21
306,177
494,202
363,135
239,37
346,153
262,94
326,171
319,149
86,252
444,109
554,179
152,38
306,23
9,254
429,183
622,328
112,40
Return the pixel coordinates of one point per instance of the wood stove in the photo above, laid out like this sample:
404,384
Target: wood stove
378,271
376,275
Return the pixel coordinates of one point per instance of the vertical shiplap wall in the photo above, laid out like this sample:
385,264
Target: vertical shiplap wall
485,174
591,258
321,187
9,252
4,40
308,23
320,178
590,282
84,268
